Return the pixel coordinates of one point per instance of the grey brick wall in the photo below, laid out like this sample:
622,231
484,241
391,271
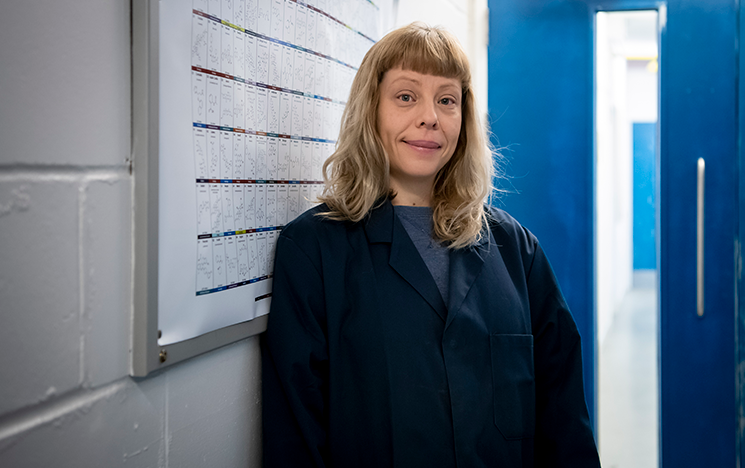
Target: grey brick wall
66,266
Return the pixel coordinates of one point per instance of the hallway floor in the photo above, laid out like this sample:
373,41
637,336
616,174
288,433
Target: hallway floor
628,426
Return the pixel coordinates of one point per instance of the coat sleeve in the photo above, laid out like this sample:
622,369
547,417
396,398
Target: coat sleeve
564,435
295,363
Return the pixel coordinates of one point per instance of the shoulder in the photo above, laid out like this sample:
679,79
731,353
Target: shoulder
517,244
311,231
311,221
508,231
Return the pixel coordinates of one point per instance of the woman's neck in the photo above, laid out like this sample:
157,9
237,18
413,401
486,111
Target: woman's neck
412,195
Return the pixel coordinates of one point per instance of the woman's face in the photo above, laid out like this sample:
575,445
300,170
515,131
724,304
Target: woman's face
419,119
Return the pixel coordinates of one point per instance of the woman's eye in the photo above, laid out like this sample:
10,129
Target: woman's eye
405,97
447,101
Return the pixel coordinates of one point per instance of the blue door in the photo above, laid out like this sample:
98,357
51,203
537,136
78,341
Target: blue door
541,109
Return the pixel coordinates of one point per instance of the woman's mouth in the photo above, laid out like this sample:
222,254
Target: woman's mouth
424,144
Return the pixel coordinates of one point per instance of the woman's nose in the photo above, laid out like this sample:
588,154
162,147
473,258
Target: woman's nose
428,116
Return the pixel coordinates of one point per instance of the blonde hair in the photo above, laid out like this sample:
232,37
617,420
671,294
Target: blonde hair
357,173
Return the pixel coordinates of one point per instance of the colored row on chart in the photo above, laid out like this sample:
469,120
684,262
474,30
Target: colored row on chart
267,61
306,24
233,261
232,155
224,208
220,47
228,103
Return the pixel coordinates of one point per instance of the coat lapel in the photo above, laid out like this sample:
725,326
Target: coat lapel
384,226
465,267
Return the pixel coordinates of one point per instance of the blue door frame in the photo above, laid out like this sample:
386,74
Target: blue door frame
740,311
541,107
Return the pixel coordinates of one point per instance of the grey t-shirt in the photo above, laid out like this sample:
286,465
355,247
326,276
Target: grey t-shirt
417,221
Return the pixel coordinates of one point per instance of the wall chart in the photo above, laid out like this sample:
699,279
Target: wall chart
251,94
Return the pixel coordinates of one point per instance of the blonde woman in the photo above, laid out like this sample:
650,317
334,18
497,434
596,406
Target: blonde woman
411,324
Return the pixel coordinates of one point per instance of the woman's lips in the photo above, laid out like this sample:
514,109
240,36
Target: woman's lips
423,144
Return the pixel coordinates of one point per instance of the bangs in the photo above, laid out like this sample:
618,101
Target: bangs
426,50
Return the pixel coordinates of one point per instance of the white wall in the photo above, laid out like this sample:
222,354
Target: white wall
66,267
624,95
613,174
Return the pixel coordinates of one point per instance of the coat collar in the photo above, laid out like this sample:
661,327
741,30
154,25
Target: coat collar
383,226
379,223
465,267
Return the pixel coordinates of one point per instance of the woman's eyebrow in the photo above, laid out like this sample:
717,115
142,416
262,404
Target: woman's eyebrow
404,78
450,85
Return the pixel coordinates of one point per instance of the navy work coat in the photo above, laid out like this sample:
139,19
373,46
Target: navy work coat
364,365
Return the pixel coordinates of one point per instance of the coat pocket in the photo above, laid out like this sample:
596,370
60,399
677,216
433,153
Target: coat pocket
513,380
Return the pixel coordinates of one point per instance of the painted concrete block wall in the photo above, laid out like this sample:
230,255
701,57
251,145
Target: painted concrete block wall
66,266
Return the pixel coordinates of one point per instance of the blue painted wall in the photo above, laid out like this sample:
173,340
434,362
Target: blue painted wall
541,111
645,250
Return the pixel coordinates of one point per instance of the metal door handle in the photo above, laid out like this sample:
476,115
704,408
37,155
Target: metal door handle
700,238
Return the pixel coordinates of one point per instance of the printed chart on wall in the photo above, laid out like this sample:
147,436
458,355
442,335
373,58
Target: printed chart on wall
251,94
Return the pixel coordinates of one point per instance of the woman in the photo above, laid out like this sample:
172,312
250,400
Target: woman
410,325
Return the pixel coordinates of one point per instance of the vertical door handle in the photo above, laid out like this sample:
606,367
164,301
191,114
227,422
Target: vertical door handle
700,238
